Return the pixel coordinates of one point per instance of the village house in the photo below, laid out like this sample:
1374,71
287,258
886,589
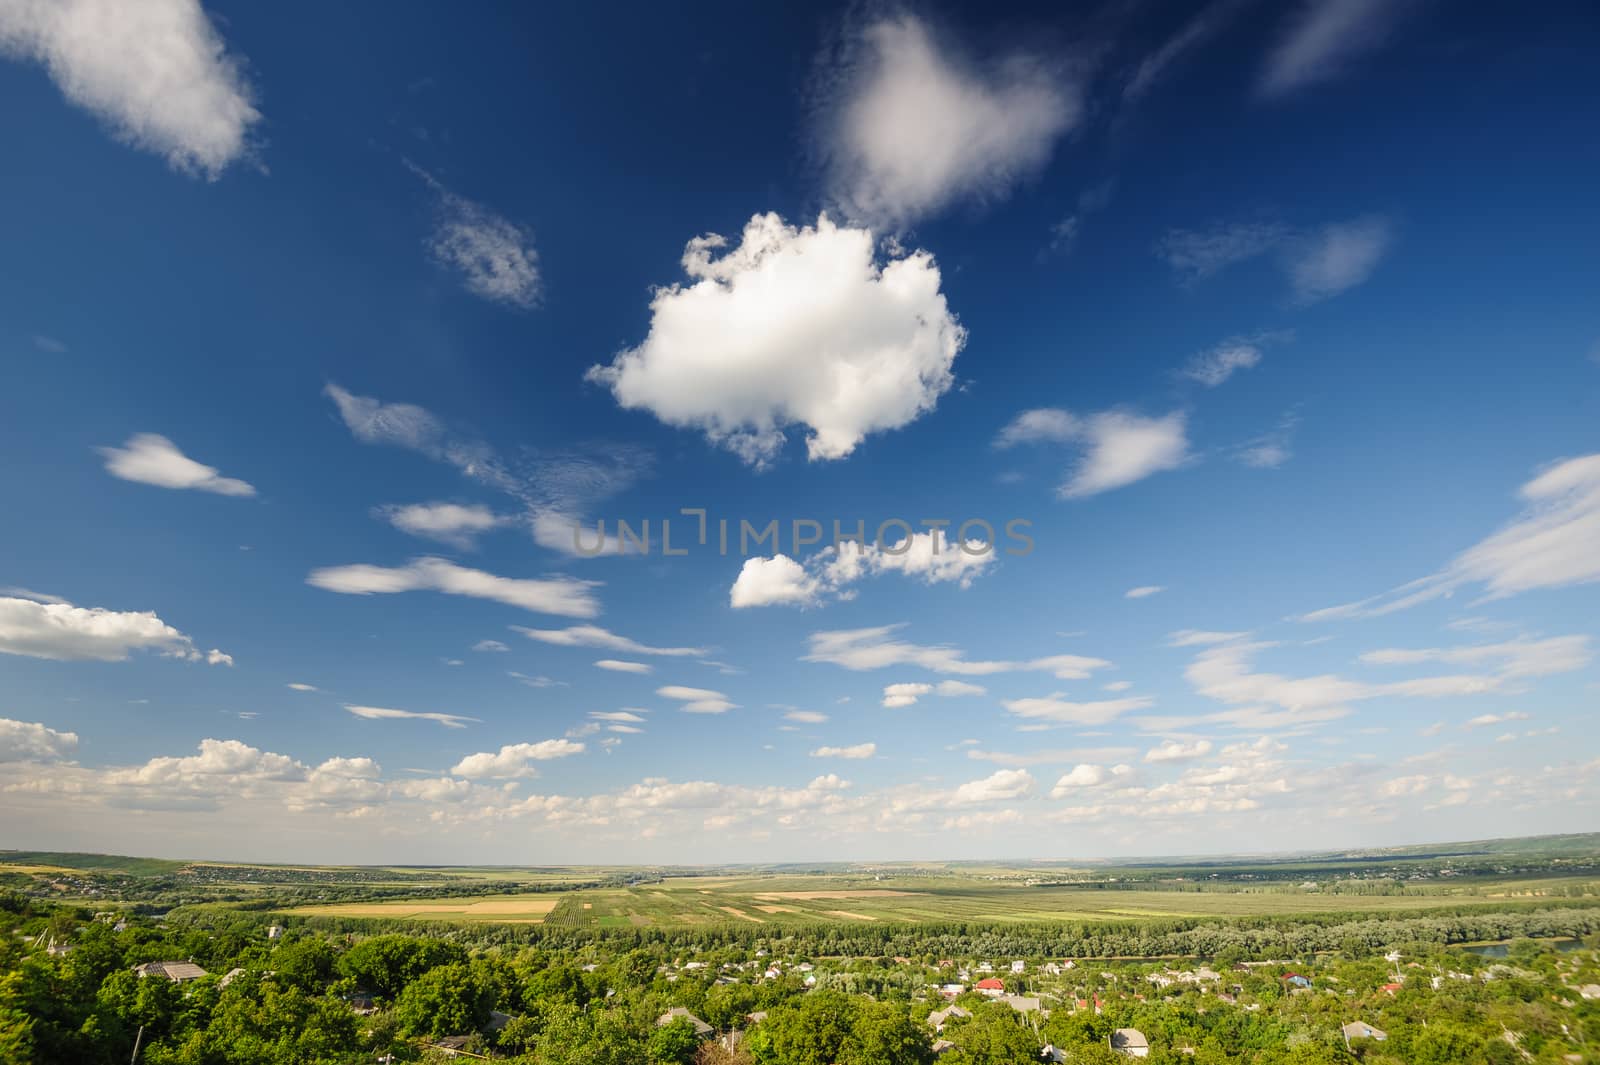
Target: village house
992,986
701,1028
939,1018
1130,1041
177,971
1363,1030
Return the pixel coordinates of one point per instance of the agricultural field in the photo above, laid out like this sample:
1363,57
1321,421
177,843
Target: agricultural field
492,909
795,901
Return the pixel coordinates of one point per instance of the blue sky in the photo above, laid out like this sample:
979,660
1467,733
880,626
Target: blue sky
1276,324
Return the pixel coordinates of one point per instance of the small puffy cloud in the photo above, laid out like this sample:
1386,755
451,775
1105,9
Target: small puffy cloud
1178,751
1144,591
152,459
1117,686
490,647
565,596
860,750
156,73
625,716
494,256
58,630
806,717
1003,784
1322,38
513,760
452,523
1084,775
595,636
1117,448
697,700
778,580
380,713
832,572
297,686
1337,257
24,741
911,125
617,666
794,326
899,695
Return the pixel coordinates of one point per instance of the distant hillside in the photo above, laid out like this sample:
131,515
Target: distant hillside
95,863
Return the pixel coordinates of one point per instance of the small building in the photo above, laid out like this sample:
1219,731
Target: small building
1296,980
1021,1003
1130,1041
1363,1030
939,1018
1019,966
275,931
1053,1055
177,971
1589,991
701,1028
455,1046
1392,988
990,986
951,990
941,1047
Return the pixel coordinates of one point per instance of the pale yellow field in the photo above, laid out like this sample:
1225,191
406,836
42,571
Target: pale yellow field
506,909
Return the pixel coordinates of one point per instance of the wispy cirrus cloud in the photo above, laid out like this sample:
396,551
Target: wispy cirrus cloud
1549,545
1323,38
563,596
877,648
381,713
494,256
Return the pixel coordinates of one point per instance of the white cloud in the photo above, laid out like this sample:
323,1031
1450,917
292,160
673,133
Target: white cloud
1144,591
1202,637
595,636
910,126
1483,720
1083,775
490,647
1117,686
220,763
1002,784
24,741
61,631
513,760
899,695
155,72
494,256
451,523
806,717
795,326
778,580
565,596
1212,368
860,750
831,572
865,649
379,713
1056,708
626,716
1178,751
617,666
296,686
1337,257
1323,37
1118,448
1549,545
1515,658
697,700
151,459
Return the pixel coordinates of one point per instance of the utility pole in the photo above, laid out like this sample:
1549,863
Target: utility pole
138,1039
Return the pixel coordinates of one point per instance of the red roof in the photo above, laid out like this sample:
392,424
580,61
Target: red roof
991,984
